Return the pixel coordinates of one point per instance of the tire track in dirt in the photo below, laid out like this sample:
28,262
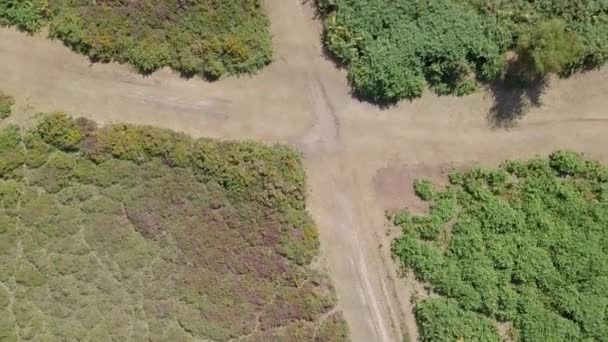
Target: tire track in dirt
361,293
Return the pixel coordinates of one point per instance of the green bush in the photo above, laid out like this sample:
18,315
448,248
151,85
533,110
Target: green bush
333,329
37,151
442,320
11,150
60,131
6,106
548,48
10,191
381,74
270,174
567,163
524,243
392,48
206,37
423,189
27,15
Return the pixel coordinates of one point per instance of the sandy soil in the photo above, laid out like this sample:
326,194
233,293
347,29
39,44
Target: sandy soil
360,158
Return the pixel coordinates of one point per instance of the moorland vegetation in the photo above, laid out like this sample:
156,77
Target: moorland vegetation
205,37
137,233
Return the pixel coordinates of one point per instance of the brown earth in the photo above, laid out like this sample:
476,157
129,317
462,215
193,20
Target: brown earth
360,158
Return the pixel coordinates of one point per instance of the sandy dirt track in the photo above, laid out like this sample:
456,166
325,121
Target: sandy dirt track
359,158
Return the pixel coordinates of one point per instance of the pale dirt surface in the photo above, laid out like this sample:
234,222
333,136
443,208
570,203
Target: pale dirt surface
360,159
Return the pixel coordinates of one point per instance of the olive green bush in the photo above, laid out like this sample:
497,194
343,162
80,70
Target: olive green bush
6,105
60,131
205,37
135,233
393,48
11,150
525,243
547,48
333,329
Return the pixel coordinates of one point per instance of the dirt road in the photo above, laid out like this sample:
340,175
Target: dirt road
302,99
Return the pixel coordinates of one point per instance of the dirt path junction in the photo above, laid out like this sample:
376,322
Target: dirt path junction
360,158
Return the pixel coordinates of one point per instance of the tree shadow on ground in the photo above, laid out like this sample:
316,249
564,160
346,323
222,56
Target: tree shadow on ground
514,97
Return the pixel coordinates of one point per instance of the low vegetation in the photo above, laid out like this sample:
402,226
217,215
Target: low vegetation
525,244
136,233
205,37
6,105
393,48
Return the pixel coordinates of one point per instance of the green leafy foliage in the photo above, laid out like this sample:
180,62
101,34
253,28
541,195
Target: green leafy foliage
6,105
60,131
135,233
548,48
585,21
525,243
205,37
423,189
28,15
442,320
392,48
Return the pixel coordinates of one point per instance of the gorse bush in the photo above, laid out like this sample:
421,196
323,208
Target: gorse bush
135,233
60,131
393,48
271,175
526,243
205,37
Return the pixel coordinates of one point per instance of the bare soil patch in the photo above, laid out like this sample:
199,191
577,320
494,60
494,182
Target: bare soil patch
394,184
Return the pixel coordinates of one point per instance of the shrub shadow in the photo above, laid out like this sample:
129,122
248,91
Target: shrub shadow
514,97
380,104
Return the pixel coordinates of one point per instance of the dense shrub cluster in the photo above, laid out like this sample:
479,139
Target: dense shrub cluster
26,15
6,105
205,37
443,320
526,243
547,48
135,233
392,48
